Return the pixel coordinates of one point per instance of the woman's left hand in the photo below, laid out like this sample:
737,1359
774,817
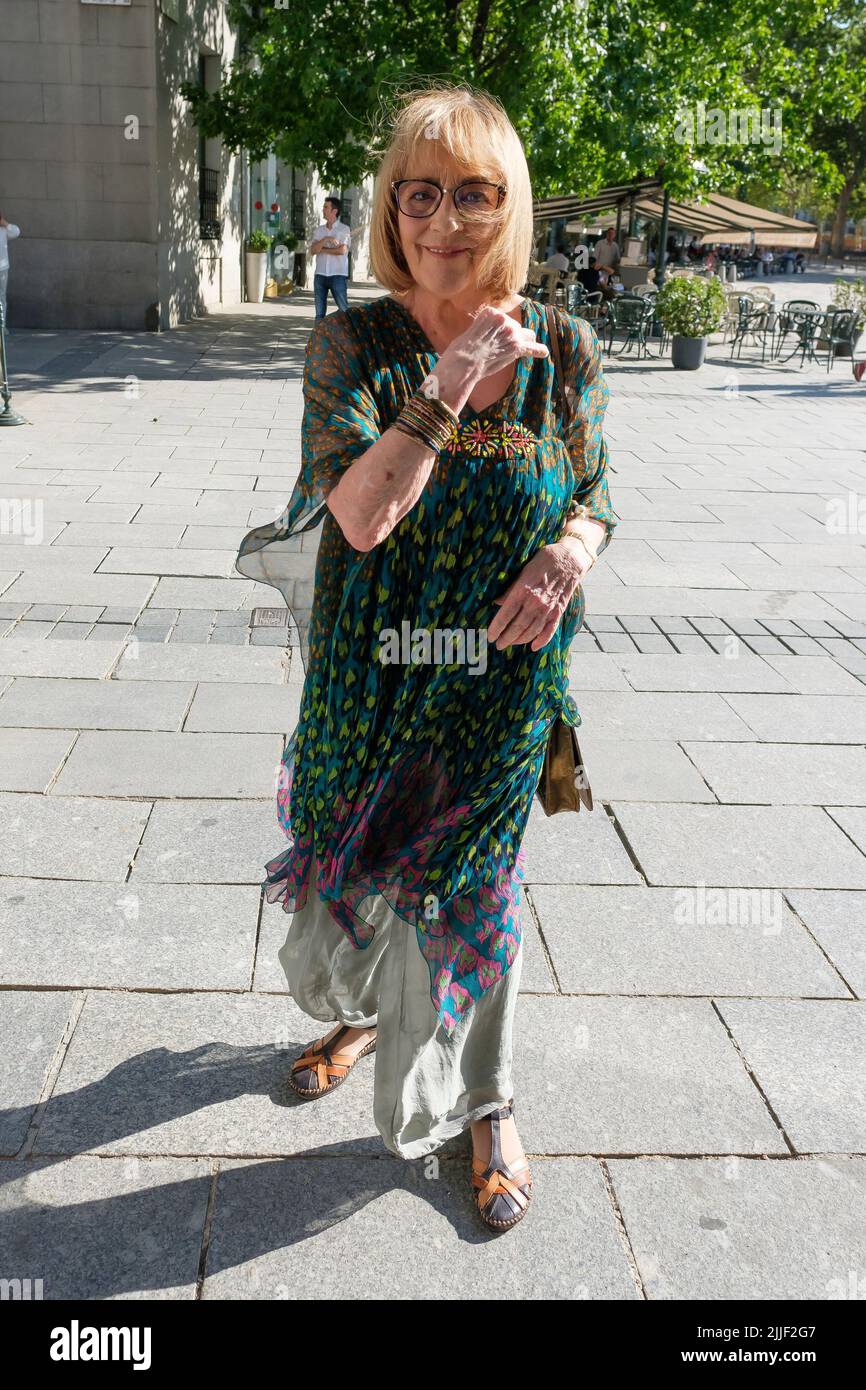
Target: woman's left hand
532,608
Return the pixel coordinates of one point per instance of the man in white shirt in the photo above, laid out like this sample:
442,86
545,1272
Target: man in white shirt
8,232
559,260
330,245
607,251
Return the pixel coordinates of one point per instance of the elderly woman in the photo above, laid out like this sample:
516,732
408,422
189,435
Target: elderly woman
459,521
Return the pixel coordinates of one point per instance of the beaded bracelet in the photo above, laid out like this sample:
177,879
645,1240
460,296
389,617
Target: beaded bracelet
427,419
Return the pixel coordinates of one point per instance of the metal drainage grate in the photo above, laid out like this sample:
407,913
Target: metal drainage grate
269,617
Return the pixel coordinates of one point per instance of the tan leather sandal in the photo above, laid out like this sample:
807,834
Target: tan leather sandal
320,1069
502,1192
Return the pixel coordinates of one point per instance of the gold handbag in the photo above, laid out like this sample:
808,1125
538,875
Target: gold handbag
564,785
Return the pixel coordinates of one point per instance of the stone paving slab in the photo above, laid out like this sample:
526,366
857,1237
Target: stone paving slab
837,921
667,716
197,1074
722,1228
821,719
69,837
816,675
821,1107
74,660
129,936
115,763
648,1076
31,758
102,1229
655,770
363,1210
223,706
193,661
209,841
643,941
33,1026
58,703
575,848
701,673
760,847
782,774
67,585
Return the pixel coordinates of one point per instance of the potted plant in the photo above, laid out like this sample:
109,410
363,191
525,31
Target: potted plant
691,309
256,263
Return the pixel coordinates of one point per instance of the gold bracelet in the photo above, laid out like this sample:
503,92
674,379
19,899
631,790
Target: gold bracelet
574,535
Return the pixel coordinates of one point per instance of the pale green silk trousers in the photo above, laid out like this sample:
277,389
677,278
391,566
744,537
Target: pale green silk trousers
427,1085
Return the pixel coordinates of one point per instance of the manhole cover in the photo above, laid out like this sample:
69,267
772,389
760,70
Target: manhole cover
270,617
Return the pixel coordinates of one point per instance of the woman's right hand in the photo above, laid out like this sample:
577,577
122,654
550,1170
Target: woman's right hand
491,342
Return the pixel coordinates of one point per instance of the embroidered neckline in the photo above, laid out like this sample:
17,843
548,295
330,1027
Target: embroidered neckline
486,438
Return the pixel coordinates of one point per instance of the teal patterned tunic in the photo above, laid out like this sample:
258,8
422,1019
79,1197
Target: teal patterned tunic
419,745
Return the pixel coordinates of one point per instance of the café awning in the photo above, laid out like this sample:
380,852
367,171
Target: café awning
712,218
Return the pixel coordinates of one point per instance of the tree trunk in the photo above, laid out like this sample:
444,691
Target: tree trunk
840,218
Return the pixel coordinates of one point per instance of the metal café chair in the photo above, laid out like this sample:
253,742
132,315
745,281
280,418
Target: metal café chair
839,328
732,312
631,315
754,320
592,308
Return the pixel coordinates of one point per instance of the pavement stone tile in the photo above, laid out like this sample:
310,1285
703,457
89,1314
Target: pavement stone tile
30,758
33,1025
653,771
184,661
116,1230
145,936
69,837
838,923
799,718
724,1226
197,1074
740,846
574,847
55,703
114,762
567,1248
648,1076
786,1044
209,841
663,941
777,774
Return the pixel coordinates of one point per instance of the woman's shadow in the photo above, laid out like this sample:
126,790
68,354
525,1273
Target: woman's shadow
218,1213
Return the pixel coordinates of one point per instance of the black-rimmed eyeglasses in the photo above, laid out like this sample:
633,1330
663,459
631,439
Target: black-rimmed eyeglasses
421,197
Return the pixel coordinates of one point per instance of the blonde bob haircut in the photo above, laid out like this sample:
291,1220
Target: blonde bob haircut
474,129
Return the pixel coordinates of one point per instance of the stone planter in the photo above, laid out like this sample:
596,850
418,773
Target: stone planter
256,263
688,353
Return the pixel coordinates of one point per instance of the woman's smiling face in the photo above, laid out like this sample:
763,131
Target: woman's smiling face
441,250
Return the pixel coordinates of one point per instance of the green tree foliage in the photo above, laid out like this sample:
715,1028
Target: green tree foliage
600,91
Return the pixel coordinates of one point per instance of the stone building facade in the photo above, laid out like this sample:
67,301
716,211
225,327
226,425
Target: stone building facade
117,198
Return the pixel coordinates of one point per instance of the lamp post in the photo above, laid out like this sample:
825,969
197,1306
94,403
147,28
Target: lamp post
663,242
7,414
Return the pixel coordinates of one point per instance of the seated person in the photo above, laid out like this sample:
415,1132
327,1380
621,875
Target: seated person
594,278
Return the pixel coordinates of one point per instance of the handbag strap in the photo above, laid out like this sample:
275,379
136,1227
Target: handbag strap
553,335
